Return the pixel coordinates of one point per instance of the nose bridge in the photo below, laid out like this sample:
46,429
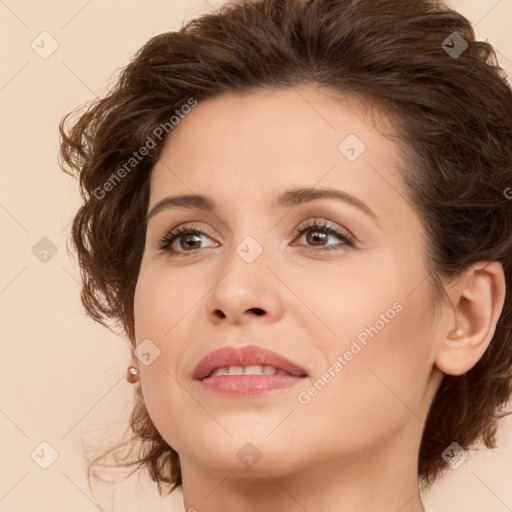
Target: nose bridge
248,254
250,236
244,284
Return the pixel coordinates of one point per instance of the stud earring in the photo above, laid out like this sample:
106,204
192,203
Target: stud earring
133,375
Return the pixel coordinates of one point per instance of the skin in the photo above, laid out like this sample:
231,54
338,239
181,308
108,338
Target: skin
354,446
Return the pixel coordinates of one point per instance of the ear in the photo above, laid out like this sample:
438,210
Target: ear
477,300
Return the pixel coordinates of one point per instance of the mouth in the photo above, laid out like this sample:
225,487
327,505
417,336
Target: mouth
250,370
247,371
247,360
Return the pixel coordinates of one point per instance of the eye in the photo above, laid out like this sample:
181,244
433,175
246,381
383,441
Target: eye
320,231
188,238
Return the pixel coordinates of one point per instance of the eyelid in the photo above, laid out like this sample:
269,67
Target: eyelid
320,222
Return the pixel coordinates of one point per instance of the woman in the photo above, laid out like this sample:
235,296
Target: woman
299,213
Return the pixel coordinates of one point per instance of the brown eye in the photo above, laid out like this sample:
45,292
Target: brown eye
186,238
318,233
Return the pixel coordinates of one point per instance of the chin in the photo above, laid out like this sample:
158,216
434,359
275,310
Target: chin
248,450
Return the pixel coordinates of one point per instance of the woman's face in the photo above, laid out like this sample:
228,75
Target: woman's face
355,314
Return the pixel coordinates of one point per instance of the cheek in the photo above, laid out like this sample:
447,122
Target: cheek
164,304
381,330
159,306
378,386
161,299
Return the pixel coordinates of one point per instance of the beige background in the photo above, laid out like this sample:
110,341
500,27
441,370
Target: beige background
62,375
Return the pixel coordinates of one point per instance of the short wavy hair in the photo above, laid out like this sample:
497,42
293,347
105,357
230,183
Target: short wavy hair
417,62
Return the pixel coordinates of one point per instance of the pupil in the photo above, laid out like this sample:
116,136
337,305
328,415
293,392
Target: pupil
317,236
190,237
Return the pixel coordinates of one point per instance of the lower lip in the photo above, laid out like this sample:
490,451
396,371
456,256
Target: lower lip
247,385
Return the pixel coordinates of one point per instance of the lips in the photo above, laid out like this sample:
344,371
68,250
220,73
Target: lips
250,355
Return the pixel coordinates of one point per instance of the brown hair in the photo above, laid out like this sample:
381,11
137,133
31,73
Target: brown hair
451,107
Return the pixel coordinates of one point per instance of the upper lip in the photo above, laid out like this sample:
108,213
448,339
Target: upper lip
249,355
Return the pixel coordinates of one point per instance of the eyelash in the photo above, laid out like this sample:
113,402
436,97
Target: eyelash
164,244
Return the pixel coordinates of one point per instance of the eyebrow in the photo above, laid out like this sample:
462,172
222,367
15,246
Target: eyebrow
289,198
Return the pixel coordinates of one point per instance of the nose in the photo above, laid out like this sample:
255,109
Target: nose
245,293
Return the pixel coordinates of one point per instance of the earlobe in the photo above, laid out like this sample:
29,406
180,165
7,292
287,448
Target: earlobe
478,300
132,374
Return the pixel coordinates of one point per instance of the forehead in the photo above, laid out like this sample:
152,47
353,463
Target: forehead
249,148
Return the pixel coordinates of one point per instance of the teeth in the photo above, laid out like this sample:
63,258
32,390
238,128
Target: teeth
253,370
248,370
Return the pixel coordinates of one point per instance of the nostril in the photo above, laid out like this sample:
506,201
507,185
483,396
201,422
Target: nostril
258,311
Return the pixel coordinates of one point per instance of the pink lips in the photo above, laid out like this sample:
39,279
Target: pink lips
246,385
